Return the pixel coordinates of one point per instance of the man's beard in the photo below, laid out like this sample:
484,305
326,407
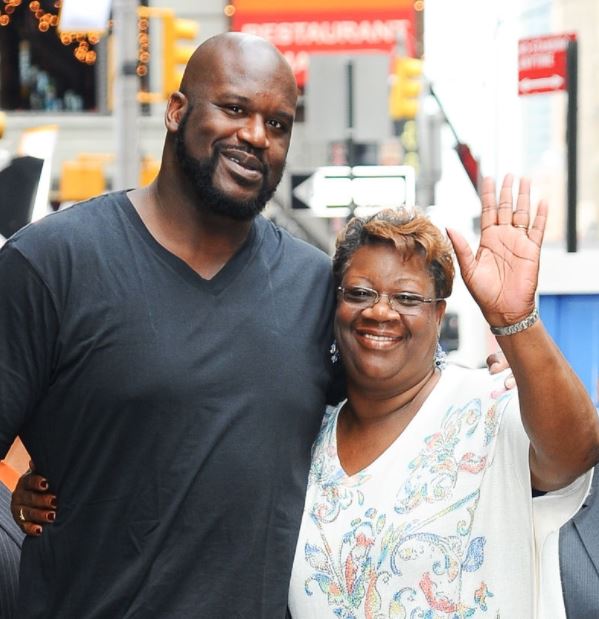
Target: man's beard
200,172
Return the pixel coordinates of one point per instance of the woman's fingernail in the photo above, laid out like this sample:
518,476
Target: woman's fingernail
37,531
53,502
51,516
44,484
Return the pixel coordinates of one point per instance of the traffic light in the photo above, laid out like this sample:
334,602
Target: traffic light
175,54
470,163
405,88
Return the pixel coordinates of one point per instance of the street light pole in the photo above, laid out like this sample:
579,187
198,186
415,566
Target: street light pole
572,145
350,127
125,94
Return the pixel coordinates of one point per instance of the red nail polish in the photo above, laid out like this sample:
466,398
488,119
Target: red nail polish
51,516
53,502
37,531
44,484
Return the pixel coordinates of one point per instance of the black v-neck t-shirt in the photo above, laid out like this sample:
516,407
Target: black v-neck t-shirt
172,415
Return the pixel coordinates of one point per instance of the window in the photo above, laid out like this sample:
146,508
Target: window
37,71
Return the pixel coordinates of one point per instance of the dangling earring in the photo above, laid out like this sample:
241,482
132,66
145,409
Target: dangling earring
334,352
440,359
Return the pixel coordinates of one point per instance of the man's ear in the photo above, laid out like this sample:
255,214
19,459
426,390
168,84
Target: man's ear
176,108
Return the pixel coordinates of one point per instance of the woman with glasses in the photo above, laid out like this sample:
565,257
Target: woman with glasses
420,495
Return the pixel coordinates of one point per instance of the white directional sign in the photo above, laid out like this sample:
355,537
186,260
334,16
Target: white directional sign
542,84
336,191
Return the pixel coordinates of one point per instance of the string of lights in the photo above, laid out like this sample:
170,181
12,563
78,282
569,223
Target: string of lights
47,20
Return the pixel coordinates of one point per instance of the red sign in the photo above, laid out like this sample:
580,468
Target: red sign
542,63
298,33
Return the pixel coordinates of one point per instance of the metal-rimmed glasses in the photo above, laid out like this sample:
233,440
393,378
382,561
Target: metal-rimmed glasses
407,303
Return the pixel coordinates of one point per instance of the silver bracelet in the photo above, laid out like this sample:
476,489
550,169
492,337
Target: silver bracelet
529,321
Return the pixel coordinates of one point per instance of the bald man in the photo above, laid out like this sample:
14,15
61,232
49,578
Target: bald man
165,362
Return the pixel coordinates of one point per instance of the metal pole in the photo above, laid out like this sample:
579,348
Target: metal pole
351,154
125,96
571,144
102,76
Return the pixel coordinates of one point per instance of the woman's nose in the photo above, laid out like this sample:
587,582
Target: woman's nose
382,308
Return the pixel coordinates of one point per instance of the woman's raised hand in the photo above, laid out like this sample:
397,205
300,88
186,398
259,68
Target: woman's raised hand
502,276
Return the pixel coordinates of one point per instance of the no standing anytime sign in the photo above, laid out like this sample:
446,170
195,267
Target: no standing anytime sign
542,63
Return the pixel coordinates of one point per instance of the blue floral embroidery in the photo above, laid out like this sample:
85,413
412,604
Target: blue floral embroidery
373,551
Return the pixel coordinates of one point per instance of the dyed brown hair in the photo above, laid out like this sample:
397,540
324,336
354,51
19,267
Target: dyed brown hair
410,232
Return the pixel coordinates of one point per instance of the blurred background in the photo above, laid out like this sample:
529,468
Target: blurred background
402,102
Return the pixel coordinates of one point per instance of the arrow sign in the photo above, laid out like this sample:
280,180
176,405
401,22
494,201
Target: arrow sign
542,84
334,191
542,63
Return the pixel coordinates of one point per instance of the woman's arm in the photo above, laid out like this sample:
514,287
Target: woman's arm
557,413
32,504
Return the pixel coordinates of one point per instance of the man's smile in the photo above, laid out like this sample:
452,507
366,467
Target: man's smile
243,164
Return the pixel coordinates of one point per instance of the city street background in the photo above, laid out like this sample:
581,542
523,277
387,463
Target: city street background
76,104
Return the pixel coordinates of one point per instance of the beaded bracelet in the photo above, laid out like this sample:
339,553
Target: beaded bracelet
529,321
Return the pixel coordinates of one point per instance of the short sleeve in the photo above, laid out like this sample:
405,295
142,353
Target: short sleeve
28,328
550,512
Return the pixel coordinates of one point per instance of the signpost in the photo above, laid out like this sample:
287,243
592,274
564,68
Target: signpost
549,64
125,94
542,63
338,191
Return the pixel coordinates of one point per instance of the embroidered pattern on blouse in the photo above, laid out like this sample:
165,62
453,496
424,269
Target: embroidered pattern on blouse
434,511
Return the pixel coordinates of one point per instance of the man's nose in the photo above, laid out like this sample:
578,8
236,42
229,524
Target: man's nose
253,132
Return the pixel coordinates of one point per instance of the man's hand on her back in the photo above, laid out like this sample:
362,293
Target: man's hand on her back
32,504
496,362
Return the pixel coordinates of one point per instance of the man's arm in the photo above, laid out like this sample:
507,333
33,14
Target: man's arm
28,332
28,329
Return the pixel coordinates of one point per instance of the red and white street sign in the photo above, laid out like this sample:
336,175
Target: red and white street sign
542,63
300,28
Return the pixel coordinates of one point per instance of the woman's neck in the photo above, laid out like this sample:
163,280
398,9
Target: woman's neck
371,407
369,423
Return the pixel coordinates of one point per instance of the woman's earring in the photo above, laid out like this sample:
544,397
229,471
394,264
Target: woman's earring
440,359
334,352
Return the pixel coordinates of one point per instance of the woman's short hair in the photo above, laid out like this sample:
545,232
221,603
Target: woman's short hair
410,232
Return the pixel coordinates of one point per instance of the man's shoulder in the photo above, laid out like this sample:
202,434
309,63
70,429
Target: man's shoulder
79,222
296,249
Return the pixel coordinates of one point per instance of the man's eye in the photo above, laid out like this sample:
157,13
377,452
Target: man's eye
408,300
236,109
276,124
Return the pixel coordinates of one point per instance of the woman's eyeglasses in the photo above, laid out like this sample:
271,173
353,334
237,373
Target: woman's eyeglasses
407,303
